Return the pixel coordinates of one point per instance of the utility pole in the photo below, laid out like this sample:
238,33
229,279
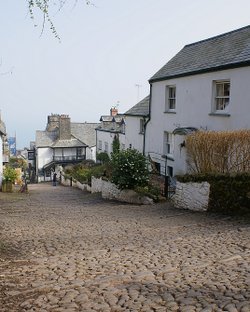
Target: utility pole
138,86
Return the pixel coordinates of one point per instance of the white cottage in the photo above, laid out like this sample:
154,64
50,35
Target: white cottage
136,122
112,126
62,143
204,86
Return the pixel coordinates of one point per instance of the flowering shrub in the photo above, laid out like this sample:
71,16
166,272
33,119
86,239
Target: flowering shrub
9,174
129,169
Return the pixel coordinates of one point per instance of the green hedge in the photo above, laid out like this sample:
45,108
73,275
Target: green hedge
229,194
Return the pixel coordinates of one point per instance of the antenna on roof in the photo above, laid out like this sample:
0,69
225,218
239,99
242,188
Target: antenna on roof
138,86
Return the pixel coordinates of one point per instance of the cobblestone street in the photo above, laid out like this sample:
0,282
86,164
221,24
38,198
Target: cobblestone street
62,249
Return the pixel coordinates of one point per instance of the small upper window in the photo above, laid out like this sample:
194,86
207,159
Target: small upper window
170,98
168,147
141,126
99,145
222,95
106,147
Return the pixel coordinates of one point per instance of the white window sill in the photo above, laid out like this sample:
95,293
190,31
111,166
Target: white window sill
170,112
221,114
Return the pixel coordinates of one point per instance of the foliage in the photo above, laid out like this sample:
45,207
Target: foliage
84,172
116,144
16,162
150,191
43,6
229,193
230,196
219,152
129,169
103,157
9,174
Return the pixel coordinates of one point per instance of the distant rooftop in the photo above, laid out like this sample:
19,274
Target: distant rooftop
140,109
224,51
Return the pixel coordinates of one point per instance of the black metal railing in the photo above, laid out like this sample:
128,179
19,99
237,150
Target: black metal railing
69,158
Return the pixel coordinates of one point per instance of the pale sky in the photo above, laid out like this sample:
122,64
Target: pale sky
105,52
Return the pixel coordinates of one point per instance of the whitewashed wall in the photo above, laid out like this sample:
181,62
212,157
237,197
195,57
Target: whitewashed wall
192,196
133,135
108,137
193,107
44,156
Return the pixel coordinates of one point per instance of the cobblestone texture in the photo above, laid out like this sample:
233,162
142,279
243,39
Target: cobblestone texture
68,250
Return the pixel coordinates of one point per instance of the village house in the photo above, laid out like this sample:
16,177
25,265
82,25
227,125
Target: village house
112,126
136,122
129,128
204,86
62,143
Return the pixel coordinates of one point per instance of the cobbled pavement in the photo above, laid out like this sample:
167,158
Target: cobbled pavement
68,250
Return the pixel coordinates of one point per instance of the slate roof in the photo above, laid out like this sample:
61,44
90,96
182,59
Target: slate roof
225,51
69,143
45,138
140,109
85,132
111,123
82,134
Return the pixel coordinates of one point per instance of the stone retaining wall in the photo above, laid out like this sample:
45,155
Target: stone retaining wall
192,196
110,191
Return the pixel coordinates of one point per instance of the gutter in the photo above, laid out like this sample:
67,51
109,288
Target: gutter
149,118
202,71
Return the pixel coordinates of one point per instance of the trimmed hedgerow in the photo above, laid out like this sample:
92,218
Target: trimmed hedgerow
229,194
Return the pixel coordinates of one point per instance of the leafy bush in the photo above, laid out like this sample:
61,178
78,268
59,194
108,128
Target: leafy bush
229,193
9,174
150,191
84,172
116,144
129,169
103,157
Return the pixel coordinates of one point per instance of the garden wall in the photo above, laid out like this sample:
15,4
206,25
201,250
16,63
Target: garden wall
109,191
192,196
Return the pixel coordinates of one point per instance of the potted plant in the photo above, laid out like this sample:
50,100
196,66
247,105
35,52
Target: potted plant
9,177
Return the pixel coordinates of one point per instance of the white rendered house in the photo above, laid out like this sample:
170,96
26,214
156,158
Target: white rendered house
63,143
204,86
112,126
136,122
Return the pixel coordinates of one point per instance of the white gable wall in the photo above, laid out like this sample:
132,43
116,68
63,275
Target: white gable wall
107,137
44,156
194,100
133,136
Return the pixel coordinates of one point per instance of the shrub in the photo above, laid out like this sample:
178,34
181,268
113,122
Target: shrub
129,169
103,157
219,152
229,193
150,191
9,174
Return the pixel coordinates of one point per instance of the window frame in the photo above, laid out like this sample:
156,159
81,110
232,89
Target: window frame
168,147
106,147
99,145
170,98
221,100
142,131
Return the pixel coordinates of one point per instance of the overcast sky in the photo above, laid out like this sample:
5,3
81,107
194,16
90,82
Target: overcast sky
106,52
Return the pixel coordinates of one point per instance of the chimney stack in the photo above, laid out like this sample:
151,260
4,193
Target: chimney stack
64,127
113,111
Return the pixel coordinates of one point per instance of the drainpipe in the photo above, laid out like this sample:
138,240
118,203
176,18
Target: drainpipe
149,117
